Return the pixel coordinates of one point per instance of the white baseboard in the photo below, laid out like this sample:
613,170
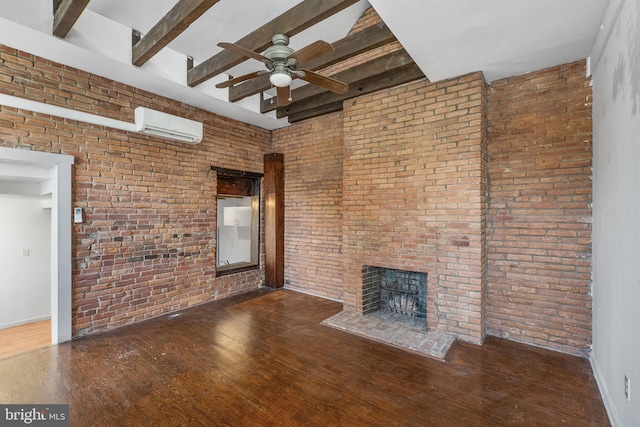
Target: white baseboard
604,392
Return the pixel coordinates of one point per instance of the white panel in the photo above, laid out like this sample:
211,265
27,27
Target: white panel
17,171
234,243
61,245
616,211
237,216
25,285
13,187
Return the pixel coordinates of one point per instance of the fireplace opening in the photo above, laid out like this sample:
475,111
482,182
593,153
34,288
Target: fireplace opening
401,298
394,311
397,293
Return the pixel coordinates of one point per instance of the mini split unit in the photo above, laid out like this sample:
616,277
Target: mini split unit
147,121
157,123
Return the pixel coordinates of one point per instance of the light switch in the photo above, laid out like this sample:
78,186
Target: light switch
26,252
77,215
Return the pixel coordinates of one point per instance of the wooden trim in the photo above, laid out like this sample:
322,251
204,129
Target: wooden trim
274,220
233,182
225,270
237,186
183,14
236,172
291,22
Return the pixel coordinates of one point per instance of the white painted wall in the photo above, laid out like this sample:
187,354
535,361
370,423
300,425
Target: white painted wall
616,210
25,282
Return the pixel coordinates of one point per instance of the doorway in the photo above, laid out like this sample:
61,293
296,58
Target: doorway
52,174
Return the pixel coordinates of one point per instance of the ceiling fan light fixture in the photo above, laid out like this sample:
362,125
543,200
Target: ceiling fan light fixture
282,66
280,79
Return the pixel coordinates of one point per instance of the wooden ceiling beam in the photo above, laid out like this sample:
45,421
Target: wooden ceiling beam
318,111
407,74
328,101
65,15
368,39
183,14
391,62
291,22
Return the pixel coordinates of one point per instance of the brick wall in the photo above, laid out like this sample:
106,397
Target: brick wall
539,218
147,246
397,180
313,204
413,195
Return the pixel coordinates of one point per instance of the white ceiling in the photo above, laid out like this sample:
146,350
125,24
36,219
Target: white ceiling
501,38
446,38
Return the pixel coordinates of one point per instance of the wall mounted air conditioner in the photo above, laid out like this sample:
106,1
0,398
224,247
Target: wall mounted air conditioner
157,123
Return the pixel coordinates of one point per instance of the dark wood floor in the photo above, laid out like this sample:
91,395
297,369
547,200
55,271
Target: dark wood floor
264,359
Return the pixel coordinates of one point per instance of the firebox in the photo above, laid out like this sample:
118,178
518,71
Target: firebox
397,292
394,311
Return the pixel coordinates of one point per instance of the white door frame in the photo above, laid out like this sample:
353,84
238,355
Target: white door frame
60,166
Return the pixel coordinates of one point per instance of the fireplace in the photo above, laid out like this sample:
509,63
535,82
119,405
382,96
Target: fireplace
395,312
398,293
414,197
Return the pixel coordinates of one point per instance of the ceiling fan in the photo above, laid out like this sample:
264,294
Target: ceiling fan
283,64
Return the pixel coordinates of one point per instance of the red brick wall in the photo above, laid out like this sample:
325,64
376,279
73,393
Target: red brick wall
539,218
147,246
413,197
313,204
397,180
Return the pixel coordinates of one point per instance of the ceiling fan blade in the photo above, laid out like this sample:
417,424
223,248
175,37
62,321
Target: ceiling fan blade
313,51
284,95
239,79
244,51
328,83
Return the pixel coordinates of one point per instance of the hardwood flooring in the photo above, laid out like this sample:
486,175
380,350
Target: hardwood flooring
23,338
263,359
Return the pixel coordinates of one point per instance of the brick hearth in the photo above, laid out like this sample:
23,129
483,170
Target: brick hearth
409,335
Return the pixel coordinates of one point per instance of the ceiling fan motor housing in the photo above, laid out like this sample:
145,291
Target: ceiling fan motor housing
280,50
282,66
